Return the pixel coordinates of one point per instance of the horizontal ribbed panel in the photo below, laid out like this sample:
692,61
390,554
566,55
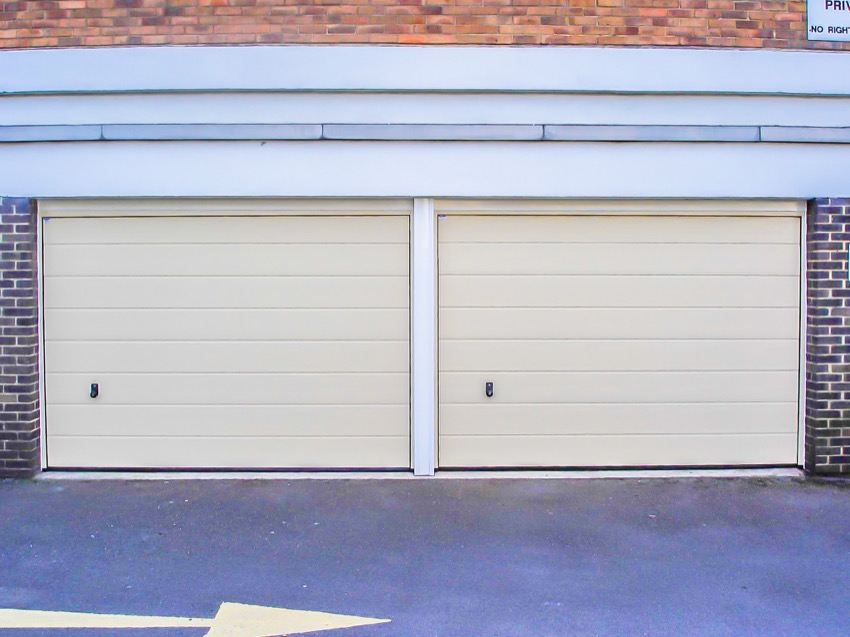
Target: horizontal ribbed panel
226,342
667,340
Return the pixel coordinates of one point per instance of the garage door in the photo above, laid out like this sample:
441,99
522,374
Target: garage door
631,336
228,341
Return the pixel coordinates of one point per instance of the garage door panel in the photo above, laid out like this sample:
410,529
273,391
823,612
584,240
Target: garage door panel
223,357
182,230
624,355
629,451
597,229
227,342
617,323
232,292
228,260
228,420
618,341
619,259
635,387
231,453
620,291
615,419
231,324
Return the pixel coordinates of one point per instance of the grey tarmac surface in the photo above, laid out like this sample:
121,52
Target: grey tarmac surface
453,558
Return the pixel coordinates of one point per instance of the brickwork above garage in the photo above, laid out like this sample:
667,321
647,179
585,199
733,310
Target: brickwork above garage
828,338
19,405
712,23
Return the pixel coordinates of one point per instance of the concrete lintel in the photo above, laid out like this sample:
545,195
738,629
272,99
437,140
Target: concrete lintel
615,133
59,133
805,134
434,132
185,132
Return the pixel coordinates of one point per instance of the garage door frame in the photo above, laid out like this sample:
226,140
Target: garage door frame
652,207
206,207
424,335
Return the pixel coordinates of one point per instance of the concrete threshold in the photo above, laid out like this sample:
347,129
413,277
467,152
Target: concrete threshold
632,474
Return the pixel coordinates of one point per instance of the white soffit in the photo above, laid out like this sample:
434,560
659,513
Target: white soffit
416,68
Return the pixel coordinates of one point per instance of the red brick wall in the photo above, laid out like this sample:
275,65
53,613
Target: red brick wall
724,23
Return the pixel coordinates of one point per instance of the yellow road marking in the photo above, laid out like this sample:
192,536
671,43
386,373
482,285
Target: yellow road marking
231,620
242,620
10,618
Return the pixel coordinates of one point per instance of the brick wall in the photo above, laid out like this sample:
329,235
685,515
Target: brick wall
19,409
723,23
828,340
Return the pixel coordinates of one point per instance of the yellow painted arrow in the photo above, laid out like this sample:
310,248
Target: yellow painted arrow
231,620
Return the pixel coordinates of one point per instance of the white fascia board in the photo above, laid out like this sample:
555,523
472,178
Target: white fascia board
422,108
453,169
416,68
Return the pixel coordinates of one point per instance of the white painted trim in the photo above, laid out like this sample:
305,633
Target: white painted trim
42,392
443,169
623,207
415,68
423,338
801,404
205,207
450,109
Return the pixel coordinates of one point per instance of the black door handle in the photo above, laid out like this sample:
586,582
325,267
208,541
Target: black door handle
95,390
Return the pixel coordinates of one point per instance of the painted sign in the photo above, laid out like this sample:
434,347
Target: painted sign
829,20
232,620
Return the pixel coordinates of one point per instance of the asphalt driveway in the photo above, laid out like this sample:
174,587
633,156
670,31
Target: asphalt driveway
453,558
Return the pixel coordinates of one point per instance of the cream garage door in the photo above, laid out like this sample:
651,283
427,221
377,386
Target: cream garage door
618,340
224,342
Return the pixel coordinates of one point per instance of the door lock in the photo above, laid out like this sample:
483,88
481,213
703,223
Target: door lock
95,390
488,389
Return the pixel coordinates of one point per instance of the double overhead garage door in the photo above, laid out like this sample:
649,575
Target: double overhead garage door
276,335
